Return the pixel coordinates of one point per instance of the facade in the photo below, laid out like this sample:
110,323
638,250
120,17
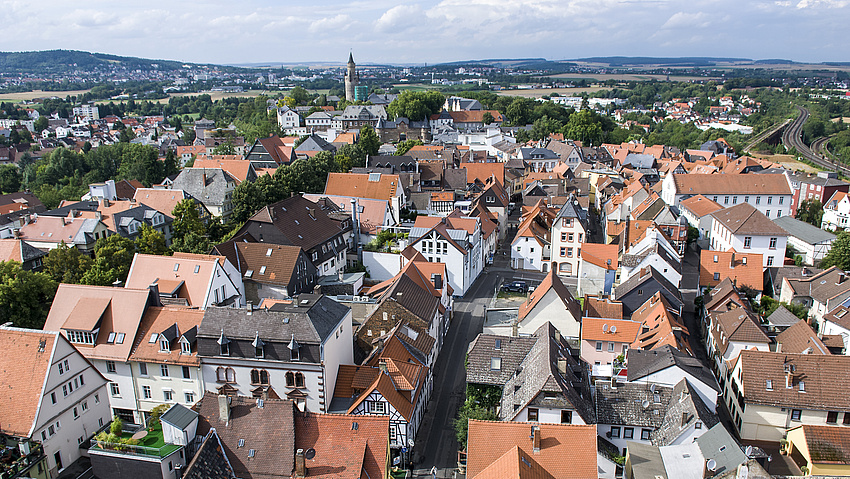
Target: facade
769,193
809,188
604,339
630,412
211,186
289,350
456,241
271,271
597,270
569,231
531,248
744,228
820,293
836,212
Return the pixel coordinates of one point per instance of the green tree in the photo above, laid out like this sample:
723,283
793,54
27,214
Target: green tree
66,264
192,243
403,147
188,231
10,178
112,258
488,118
41,124
810,211
583,127
416,105
225,148
839,254
369,140
150,241
126,135
25,296
519,111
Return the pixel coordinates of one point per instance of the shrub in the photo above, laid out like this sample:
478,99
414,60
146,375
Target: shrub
117,426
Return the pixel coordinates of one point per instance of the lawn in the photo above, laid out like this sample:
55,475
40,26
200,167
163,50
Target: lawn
151,445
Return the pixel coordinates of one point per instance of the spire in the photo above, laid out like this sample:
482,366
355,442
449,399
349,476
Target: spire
350,58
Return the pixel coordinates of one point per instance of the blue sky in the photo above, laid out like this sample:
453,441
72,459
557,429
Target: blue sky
431,31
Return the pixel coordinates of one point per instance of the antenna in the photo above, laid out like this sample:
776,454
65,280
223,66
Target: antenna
652,388
711,465
749,451
613,329
605,328
310,453
645,404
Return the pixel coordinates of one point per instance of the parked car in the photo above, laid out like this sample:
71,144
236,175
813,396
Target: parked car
515,287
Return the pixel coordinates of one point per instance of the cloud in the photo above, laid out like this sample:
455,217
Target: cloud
399,18
822,3
687,20
339,22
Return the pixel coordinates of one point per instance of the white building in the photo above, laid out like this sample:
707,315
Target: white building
288,118
811,242
86,112
771,194
456,241
569,231
531,248
745,229
836,212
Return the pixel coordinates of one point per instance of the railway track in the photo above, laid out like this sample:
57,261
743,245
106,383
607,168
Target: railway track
793,137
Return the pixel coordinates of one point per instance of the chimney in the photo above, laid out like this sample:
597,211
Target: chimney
535,439
105,203
684,418
515,329
841,277
224,408
732,263
300,464
265,395
382,365
562,365
154,296
250,308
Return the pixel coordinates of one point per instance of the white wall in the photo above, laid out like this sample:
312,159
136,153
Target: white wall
338,349
551,308
174,382
527,253
382,266
548,415
722,239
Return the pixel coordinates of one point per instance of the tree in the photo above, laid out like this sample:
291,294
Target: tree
488,118
126,135
25,297
66,264
41,124
583,127
839,254
10,178
192,243
519,111
810,211
150,241
403,147
188,232
369,140
225,148
416,105
112,258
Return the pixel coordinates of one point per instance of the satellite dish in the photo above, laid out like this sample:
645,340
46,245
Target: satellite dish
645,404
749,451
613,329
605,328
310,453
711,465
652,388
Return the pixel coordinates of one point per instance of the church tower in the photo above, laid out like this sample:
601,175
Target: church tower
352,79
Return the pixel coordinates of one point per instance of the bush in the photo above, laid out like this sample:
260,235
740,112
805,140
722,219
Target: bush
117,426
156,412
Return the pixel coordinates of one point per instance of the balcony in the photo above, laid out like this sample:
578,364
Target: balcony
19,456
151,445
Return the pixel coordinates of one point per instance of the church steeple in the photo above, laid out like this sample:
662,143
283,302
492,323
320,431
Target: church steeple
352,79
350,58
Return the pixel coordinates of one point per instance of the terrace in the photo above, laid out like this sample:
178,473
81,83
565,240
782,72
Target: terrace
19,456
138,441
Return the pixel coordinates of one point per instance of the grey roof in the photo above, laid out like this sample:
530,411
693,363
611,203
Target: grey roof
686,407
638,279
413,298
142,214
632,260
30,252
311,322
207,185
646,461
537,154
712,443
624,404
782,317
571,209
804,231
364,112
455,178
643,363
538,382
315,143
639,161
210,461
512,352
179,416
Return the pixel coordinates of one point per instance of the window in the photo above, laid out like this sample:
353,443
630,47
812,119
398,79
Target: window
782,197
377,407
185,347
146,392
186,374
770,260
566,417
615,431
143,369
569,252
726,200
610,347
599,345
190,398
61,369
628,433
758,200
225,349
734,200
847,418
831,417
498,344
717,276
802,386
167,395
644,434
769,200
767,213
495,364
110,366
163,370
772,243
294,380
795,414
163,345
715,258
294,354
96,399
748,241
570,237
76,413
563,237
563,251
533,414
113,388
769,385
53,398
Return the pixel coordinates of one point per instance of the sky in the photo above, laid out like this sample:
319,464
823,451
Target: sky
430,31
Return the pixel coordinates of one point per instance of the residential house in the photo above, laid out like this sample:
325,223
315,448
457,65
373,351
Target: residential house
822,450
597,270
811,242
731,332
745,229
769,392
193,280
18,250
213,187
287,350
769,193
287,118
322,231
368,185
661,326
506,449
642,286
355,116
47,232
743,269
52,401
820,293
271,149
369,217
497,202
165,200
569,230
652,250
465,120
820,187
800,338
629,412
312,146
531,247
538,159
837,322
550,302
667,366
402,129
492,359
686,417
270,271
124,217
697,210
603,340
456,241
836,212
319,121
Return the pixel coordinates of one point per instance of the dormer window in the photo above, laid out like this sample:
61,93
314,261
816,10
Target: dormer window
163,345
185,347
258,346
81,337
294,349
224,344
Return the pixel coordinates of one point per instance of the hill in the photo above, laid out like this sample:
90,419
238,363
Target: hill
55,61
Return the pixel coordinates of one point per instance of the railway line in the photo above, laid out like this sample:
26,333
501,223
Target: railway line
793,137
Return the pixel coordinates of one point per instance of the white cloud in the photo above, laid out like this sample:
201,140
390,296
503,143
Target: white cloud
687,20
339,22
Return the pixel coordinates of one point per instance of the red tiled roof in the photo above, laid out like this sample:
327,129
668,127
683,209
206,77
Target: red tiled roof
744,269
360,185
24,365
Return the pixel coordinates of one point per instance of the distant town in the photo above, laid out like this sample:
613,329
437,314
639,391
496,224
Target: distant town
488,269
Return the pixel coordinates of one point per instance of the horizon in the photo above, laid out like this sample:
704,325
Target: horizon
435,31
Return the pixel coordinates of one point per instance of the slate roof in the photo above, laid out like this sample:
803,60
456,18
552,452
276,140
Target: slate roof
782,317
538,374
512,352
210,461
302,222
207,185
643,363
801,338
179,416
310,322
314,143
804,231
685,408
712,443
744,218
268,430
638,279
818,372
823,286
639,160
624,404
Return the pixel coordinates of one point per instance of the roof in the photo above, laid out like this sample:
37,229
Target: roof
516,463
160,200
111,310
801,338
551,282
268,263
725,296
341,450
744,269
511,352
24,365
483,171
371,213
601,254
398,381
822,286
818,372
566,450
168,272
179,416
660,326
744,218
54,229
273,443
18,250
644,363
804,231
363,185
310,322
838,316
731,184
699,205
607,329
239,169
685,408
207,185
210,461
739,325
159,319
646,275
300,221
595,307
631,404
827,444
782,317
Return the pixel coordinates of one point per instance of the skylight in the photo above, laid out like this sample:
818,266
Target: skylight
269,252
249,273
262,270
153,337
119,339
176,265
